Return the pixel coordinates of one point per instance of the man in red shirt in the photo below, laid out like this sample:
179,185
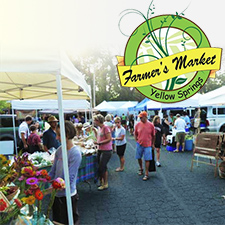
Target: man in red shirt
144,135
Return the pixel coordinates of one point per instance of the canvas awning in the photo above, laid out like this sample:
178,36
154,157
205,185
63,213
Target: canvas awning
30,74
71,105
215,97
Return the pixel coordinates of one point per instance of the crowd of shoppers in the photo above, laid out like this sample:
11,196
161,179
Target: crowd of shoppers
108,133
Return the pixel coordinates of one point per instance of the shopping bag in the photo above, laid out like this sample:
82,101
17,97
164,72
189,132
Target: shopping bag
152,167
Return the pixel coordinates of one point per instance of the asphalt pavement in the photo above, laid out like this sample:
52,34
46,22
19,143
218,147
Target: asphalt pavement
172,195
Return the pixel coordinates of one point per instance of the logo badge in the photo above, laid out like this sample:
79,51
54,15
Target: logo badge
168,58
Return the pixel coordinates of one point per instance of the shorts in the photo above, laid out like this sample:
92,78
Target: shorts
158,145
131,124
123,122
120,150
180,137
103,158
146,151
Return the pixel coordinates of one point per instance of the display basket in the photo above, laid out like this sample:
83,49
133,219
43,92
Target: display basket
12,195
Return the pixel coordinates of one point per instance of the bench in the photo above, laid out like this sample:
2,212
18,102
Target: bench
208,145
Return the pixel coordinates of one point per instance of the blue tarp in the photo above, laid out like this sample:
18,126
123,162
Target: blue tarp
140,106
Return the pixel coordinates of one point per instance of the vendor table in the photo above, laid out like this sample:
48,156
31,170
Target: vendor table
88,168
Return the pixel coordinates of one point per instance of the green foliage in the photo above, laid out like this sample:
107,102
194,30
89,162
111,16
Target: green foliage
213,83
4,105
108,87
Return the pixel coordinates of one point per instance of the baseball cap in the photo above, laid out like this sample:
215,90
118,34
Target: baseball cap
143,114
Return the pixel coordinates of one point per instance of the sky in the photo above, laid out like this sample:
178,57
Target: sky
79,25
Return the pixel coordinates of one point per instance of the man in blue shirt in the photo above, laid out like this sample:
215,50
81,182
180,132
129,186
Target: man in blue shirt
186,119
49,136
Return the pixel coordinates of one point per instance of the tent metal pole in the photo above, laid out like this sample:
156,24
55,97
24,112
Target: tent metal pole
92,120
14,131
85,112
64,149
94,103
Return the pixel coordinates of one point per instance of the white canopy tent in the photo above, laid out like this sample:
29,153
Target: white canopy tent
49,104
190,102
105,106
215,97
42,74
128,105
115,107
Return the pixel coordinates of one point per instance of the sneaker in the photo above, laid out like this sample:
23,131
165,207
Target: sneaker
158,164
103,187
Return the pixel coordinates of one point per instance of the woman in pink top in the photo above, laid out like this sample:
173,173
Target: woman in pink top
104,141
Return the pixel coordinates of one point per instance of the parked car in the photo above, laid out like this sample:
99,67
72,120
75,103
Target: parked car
216,118
6,127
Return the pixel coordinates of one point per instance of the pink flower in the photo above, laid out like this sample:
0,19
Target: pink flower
42,179
21,178
58,183
32,181
38,173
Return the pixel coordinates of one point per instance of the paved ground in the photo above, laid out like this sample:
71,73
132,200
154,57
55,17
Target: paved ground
172,195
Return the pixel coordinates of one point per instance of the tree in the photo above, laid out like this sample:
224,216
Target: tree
213,83
4,105
103,64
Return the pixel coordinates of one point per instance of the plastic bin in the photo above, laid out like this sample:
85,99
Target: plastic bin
171,148
188,145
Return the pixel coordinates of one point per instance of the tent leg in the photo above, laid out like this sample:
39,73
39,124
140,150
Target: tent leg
85,115
64,149
91,118
14,131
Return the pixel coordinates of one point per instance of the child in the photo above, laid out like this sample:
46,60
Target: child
34,140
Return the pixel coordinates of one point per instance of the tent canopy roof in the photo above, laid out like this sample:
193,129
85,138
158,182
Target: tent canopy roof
215,97
104,106
114,105
31,74
49,104
190,102
128,104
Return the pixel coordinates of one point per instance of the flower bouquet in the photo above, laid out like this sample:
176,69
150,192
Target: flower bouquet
32,185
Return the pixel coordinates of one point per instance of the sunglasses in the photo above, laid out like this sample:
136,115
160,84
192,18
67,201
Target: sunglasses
117,122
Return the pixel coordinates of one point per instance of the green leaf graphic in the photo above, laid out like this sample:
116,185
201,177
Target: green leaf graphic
181,80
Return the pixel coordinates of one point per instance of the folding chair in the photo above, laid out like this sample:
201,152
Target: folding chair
208,145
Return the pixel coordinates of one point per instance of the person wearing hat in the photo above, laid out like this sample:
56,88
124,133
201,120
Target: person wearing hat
180,126
90,132
49,136
79,131
144,134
